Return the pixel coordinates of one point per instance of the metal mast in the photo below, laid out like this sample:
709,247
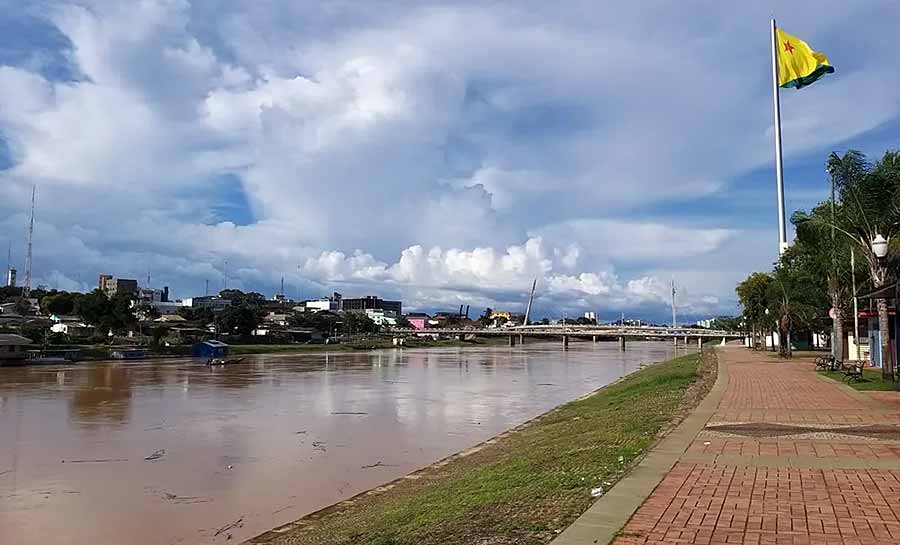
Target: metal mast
530,301
26,289
674,323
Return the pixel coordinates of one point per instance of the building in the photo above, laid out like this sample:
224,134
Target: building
149,295
330,304
277,318
113,286
705,323
73,329
382,317
210,349
362,304
417,320
11,278
12,348
212,302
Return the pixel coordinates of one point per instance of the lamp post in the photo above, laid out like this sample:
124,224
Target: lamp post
879,246
880,250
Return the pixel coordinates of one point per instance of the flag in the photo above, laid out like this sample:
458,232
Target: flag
798,64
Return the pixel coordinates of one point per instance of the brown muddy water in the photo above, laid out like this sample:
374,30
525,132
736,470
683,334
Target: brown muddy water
173,452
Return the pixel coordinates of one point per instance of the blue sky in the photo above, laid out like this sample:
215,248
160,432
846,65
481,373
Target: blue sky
444,153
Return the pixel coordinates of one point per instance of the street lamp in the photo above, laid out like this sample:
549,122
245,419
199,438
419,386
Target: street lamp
879,246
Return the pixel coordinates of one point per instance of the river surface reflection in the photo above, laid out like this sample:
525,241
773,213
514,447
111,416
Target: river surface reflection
170,452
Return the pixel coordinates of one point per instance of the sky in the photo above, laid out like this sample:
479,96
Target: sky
442,153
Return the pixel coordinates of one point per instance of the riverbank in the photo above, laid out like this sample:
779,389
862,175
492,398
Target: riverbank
526,485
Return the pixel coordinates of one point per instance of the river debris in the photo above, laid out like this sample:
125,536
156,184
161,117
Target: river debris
174,498
546,384
239,523
156,455
379,463
301,432
319,445
349,413
2,473
286,507
95,461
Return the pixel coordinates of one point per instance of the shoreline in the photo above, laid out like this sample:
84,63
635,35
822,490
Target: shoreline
390,514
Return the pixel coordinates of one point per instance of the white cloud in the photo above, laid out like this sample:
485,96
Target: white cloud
444,133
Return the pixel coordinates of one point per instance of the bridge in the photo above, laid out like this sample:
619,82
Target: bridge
594,333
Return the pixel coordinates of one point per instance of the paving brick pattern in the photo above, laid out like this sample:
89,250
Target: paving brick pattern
795,448
715,504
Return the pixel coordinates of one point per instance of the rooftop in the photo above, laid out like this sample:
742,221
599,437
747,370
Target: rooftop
8,339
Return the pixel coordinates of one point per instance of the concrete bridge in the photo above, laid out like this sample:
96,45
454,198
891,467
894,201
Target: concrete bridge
594,333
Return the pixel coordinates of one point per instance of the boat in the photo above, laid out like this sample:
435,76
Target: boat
224,361
129,354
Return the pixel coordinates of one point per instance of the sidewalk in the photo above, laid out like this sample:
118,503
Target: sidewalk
785,457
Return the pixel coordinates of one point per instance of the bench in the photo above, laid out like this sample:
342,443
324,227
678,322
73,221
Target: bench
825,363
853,372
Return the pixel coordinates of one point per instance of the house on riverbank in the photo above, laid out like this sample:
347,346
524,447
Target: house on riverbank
12,348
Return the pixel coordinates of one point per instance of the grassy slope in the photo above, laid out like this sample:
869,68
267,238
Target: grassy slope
525,486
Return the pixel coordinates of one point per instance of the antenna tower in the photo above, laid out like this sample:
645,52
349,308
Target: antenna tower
530,301
674,323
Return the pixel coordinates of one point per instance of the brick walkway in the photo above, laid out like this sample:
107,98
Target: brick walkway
787,458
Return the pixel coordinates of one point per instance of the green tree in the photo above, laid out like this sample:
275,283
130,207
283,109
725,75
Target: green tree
753,294
58,303
240,319
356,323
485,318
869,205
796,298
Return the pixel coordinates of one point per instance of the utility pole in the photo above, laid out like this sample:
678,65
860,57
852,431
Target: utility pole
26,289
207,286
225,275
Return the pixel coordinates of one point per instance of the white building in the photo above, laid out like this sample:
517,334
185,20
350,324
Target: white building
382,317
213,302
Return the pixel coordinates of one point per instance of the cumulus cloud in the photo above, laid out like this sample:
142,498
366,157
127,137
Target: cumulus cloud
378,145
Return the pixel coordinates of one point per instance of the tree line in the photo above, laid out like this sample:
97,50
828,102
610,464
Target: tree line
810,287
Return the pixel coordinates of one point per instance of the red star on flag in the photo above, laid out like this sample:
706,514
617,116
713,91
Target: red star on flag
788,47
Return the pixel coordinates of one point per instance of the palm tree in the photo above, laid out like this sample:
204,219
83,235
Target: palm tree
869,206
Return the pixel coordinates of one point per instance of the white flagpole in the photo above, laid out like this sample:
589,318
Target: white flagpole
779,174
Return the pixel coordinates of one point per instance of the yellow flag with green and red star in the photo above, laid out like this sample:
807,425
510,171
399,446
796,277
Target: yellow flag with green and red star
798,64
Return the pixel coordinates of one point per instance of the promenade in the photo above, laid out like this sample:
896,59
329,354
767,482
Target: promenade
775,455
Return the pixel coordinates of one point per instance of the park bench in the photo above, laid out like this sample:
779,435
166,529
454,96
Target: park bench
853,371
825,363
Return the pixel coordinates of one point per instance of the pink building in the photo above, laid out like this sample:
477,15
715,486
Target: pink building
418,320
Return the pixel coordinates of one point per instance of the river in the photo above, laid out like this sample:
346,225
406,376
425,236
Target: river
171,452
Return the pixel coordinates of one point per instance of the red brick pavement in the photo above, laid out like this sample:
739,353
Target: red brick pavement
715,504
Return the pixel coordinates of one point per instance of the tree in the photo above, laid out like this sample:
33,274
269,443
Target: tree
93,307
825,257
796,298
357,323
239,319
58,303
869,206
485,318
403,322
753,294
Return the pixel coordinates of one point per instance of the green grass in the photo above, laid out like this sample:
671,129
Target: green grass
525,486
871,381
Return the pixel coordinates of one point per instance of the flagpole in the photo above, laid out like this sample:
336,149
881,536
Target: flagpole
779,174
